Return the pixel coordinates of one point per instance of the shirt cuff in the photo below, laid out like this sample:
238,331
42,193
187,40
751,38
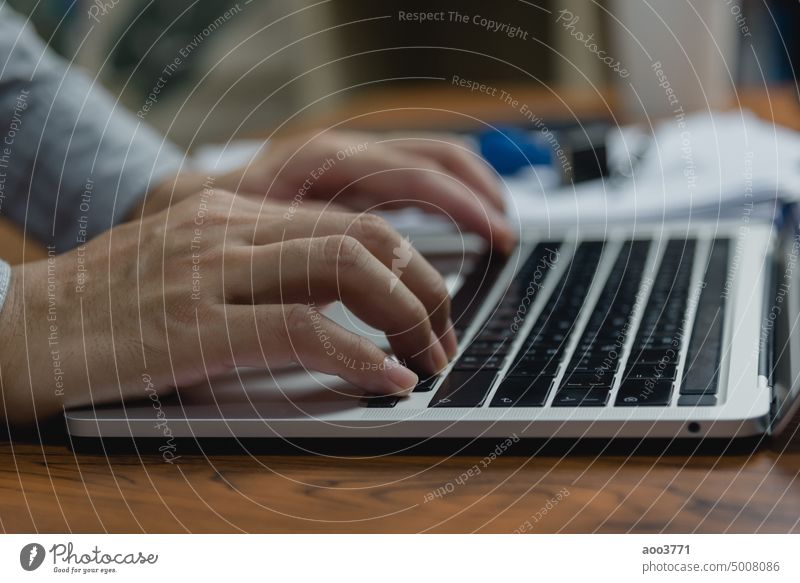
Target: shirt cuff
5,281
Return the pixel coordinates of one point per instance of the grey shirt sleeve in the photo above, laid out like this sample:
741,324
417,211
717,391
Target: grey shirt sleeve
73,162
5,281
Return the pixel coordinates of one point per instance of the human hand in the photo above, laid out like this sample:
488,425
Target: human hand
438,174
214,282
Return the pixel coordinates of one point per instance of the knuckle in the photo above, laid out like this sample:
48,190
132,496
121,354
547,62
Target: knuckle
457,147
296,321
344,251
363,349
223,198
374,229
214,256
438,288
215,207
417,312
422,178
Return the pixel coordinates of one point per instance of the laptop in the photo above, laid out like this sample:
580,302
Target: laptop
645,332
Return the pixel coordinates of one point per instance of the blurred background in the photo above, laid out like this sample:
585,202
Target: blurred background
208,70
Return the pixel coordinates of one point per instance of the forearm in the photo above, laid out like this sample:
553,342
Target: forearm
77,162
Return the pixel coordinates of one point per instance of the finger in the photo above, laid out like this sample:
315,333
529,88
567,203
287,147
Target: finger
324,269
434,191
388,177
282,334
465,164
396,253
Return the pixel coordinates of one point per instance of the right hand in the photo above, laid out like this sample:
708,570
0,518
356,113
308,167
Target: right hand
214,282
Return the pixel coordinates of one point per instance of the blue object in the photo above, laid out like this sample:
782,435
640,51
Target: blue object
510,149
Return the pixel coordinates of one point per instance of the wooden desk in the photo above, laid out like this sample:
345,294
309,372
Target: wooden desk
48,488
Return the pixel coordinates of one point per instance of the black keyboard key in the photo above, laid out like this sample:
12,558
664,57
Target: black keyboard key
644,393
463,389
593,362
478,348
697,400
651,341
469,362
538,354
536,362
581,398
701,375
651,371
587,381
522,392
496,336
653,357
426,385
544,369
380,401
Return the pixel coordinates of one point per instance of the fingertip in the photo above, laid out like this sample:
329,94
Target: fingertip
400,380
503,238
437,355
449,341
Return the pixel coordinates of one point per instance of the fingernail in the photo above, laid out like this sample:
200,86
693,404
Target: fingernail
449,341
400,378
438,358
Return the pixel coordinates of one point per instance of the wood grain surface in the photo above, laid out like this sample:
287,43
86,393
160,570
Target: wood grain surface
48,488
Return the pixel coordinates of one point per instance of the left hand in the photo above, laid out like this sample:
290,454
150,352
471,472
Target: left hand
363,172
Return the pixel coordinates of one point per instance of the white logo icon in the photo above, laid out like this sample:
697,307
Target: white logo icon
402,257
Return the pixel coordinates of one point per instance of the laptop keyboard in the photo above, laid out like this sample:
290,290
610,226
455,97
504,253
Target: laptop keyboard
473,373
626,353
652,365
590,374
528,381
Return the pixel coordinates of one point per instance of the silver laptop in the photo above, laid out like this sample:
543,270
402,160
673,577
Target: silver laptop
649,332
